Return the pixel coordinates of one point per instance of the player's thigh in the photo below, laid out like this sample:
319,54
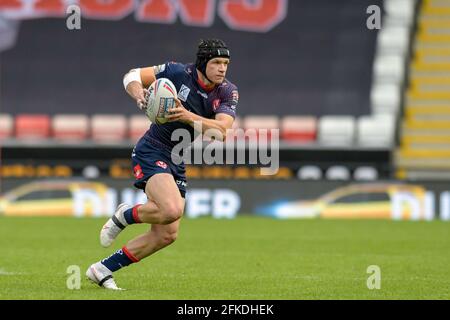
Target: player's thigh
163,189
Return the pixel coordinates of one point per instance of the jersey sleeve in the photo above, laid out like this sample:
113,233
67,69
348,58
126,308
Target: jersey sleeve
229,102
167,70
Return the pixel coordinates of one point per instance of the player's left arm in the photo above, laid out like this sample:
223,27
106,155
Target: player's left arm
219,125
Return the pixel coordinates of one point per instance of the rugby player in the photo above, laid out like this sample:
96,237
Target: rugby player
204,95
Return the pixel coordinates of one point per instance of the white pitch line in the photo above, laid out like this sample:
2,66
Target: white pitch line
3,272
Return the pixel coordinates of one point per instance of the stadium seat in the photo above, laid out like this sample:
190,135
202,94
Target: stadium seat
393,39
108,128
376,131
390,68
301,129
32,126
137,125
74,127
400,11
385,98
254,124
309,173
6,126
365,173
337,173
336,130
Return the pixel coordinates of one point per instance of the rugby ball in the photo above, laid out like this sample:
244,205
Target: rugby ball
161,99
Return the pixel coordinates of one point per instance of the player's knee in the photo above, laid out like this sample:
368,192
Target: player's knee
172,213
168,238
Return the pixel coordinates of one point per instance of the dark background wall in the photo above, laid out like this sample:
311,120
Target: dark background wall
318,60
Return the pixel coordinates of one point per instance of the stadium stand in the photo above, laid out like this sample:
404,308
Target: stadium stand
328,131
329,72
425,128
385,98
392,54
337,130
299,129
376,131
6,126
338,102
68,128
259,123
138,125
32,127
389,68
108,128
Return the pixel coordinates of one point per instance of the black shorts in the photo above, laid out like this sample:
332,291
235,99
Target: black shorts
149,159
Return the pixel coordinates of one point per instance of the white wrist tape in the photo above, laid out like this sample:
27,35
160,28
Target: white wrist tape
132,75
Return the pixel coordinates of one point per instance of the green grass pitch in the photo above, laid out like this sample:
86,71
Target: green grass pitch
244,258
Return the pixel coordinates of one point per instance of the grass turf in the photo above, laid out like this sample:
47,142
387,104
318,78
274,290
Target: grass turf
244,258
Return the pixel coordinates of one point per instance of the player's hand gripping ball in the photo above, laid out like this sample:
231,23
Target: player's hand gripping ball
161,98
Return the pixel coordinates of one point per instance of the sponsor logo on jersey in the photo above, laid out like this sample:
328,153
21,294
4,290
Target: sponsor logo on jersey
183,93
181,183
161,164
138,174
204,95
216,104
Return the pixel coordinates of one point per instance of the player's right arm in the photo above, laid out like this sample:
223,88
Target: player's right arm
135,83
